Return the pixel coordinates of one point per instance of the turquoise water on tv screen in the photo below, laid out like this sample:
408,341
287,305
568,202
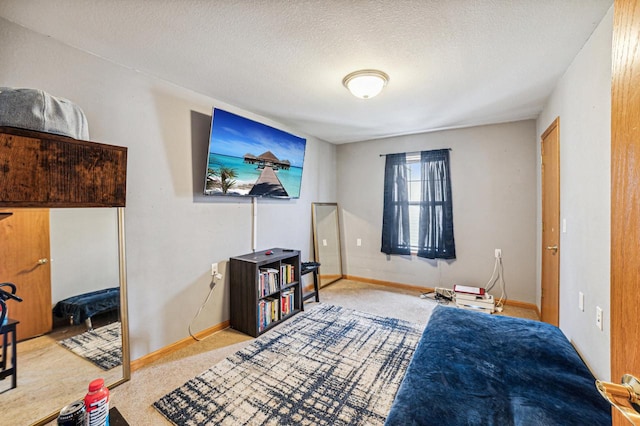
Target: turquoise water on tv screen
248,173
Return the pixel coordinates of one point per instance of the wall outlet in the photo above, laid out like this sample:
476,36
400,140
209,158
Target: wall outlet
581,301
359,242
498,253
214,269
599,318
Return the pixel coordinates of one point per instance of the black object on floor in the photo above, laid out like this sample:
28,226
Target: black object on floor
115,418
311,267
5,370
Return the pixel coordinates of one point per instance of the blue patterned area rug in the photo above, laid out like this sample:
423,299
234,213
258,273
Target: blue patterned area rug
326,366
102,346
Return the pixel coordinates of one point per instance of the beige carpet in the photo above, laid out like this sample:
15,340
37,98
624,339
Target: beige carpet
134,398
43,360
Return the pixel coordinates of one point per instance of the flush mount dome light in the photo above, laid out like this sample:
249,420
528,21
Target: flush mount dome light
365,84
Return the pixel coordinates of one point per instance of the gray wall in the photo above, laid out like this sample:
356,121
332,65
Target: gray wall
493,179
173,233
582,100
84,251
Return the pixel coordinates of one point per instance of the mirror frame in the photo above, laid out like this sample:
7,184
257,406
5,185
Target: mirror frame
124,317
316,252
34,153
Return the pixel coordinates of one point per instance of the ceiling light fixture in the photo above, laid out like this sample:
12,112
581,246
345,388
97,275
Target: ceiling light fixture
365,84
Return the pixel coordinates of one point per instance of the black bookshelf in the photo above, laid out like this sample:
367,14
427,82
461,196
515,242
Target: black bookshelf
255,306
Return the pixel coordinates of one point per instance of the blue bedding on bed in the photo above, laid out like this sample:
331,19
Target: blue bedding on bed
472,368
86,305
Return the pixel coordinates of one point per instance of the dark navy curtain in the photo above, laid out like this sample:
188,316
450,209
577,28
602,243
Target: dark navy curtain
435,237
395,217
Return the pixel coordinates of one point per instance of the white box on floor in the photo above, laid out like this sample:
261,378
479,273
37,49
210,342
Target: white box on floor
483,303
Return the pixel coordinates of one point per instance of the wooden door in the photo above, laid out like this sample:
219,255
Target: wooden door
550,303
625,194
24,261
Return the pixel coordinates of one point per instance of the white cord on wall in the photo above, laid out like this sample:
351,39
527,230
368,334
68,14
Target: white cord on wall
212,285
254,223
497,276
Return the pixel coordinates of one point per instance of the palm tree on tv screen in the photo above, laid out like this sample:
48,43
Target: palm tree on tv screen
227,177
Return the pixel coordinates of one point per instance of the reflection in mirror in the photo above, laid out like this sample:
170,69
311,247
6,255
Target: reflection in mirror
53,256
326,240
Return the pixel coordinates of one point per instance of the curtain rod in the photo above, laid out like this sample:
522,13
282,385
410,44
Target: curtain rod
412,152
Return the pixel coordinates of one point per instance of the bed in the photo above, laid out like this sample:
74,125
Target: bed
472,368
82,307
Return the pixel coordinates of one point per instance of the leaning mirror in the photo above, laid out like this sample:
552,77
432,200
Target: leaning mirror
326,241
68,267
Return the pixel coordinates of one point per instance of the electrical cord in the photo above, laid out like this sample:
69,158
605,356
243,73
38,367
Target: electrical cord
437,297
212,285
498,276
444,296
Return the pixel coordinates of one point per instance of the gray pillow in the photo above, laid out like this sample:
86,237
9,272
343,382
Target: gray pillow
35,109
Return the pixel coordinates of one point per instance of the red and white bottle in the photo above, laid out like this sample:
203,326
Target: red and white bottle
97,404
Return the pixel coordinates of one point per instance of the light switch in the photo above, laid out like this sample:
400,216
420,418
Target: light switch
581,301
599,318
324,242
359,242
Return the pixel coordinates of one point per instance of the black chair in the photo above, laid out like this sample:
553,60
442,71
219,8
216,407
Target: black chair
307,268
8,328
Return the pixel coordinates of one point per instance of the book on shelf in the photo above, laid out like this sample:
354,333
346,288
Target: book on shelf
268,280
267,312
287,301
287,273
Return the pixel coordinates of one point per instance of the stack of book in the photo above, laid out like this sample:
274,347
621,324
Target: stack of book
267,282
474,298
286,272
267,312
287,299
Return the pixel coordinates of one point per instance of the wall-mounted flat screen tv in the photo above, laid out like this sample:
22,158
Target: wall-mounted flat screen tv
251,159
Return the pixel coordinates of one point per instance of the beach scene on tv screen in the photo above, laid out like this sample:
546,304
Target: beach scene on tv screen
247,158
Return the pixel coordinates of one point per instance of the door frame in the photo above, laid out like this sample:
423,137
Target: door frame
550,317
625,202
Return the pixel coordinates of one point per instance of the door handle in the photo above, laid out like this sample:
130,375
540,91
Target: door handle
554,248
628,391
43,261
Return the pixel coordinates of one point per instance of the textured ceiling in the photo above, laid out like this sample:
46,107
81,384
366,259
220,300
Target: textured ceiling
452,63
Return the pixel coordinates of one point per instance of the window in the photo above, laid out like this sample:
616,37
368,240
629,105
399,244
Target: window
415,194
418,213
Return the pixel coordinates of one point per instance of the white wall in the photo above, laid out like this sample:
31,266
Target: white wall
582,100
494,202
173,233
84,251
